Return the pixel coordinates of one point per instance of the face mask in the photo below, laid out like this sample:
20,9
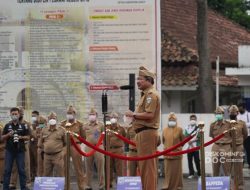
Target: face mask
127,120
33,119
232,117
70,117
92,118
52,122
172,123
192,122
219,117
41,126
113,120
14,117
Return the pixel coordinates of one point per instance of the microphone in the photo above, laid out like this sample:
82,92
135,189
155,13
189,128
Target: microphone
126,87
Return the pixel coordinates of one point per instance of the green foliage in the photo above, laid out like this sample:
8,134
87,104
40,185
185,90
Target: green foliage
235,10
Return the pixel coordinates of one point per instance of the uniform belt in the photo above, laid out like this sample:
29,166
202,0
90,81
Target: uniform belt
143,129
218,143
113,147
132,150
53,153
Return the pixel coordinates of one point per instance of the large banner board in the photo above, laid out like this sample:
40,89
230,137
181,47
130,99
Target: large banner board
51,51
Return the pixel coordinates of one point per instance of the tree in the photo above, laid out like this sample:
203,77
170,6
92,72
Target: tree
235,10
206,92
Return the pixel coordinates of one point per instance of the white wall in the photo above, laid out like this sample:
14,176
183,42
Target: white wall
183,120
170,101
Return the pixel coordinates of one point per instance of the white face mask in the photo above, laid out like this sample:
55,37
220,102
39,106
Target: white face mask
172,123
113,120
70,117
127,120
92,118
192,122
52,122
33,119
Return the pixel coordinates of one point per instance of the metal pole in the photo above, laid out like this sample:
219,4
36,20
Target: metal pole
132,92
67,160
217,81
236,182
202,155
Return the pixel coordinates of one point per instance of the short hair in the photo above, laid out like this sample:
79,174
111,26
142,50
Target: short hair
14,109
149,79
193,115
243,105
35,112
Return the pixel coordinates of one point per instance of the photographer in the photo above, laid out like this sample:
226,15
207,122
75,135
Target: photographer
14,135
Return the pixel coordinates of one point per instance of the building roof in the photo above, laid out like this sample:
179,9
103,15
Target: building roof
179,23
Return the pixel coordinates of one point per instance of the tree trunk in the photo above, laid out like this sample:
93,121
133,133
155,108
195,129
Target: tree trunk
206,102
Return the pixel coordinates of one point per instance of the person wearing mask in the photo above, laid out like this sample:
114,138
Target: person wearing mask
14,175
241,135
221,149
93,130
244,115
15,133
146,123
116,146
33,145
42,123
53,140
191,144
73,125
172,135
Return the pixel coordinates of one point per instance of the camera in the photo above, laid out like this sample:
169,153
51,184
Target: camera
15,137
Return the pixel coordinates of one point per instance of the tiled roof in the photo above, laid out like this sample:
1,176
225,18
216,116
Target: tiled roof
179,22
188,76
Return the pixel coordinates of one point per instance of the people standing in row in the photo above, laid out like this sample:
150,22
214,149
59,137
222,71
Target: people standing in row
172,135
15,133
53,141
244,115
146,123
93,129
191,144
240,135
73,125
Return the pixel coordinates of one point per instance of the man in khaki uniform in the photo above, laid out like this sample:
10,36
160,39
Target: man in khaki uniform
146,123
13,179
2,145
73,125
241,135
221,149
53,141
132,165
33,145
93,130
42,123
116,146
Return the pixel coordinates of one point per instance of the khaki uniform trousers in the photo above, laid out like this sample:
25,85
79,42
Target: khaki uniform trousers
146,144
1,164
33,160
98,158
239,165
54,165
78,167
221,157
40,162
14,173
116,165
132,165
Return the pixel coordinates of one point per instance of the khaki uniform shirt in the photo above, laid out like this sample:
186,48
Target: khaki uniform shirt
93,131
53,140
131,136
115,142
241,132
150,103
217,129
172,136
76,127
